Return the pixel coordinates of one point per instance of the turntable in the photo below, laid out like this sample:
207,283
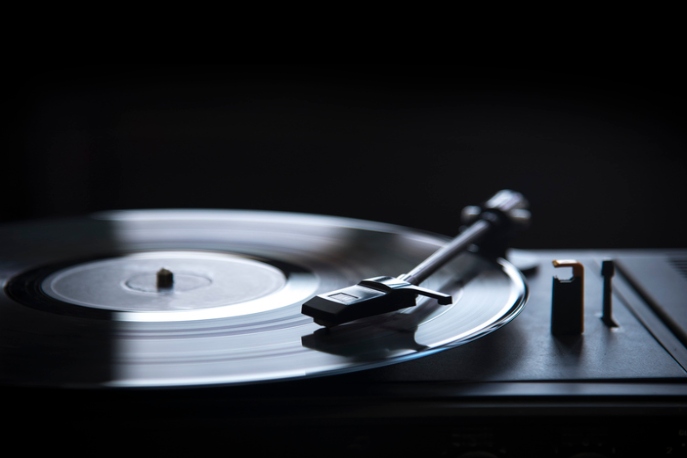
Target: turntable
309,334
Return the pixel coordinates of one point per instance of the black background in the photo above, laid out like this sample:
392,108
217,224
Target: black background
598,149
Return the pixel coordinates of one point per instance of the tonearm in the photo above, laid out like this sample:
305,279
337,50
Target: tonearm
489,228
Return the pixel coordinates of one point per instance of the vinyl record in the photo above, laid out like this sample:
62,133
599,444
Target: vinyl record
182,298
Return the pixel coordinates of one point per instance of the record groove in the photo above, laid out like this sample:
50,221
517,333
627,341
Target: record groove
51,336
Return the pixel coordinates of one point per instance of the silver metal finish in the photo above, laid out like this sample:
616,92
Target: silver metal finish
427,267
512,205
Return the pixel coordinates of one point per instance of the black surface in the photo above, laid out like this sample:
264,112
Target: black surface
518,392
597,147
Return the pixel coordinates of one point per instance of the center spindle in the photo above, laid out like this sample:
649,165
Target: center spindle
165,279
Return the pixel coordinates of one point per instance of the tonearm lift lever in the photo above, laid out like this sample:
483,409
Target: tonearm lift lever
490,227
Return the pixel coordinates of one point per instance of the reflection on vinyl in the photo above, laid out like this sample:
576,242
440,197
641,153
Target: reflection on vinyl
172,298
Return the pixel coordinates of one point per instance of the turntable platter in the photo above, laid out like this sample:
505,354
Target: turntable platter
83,305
